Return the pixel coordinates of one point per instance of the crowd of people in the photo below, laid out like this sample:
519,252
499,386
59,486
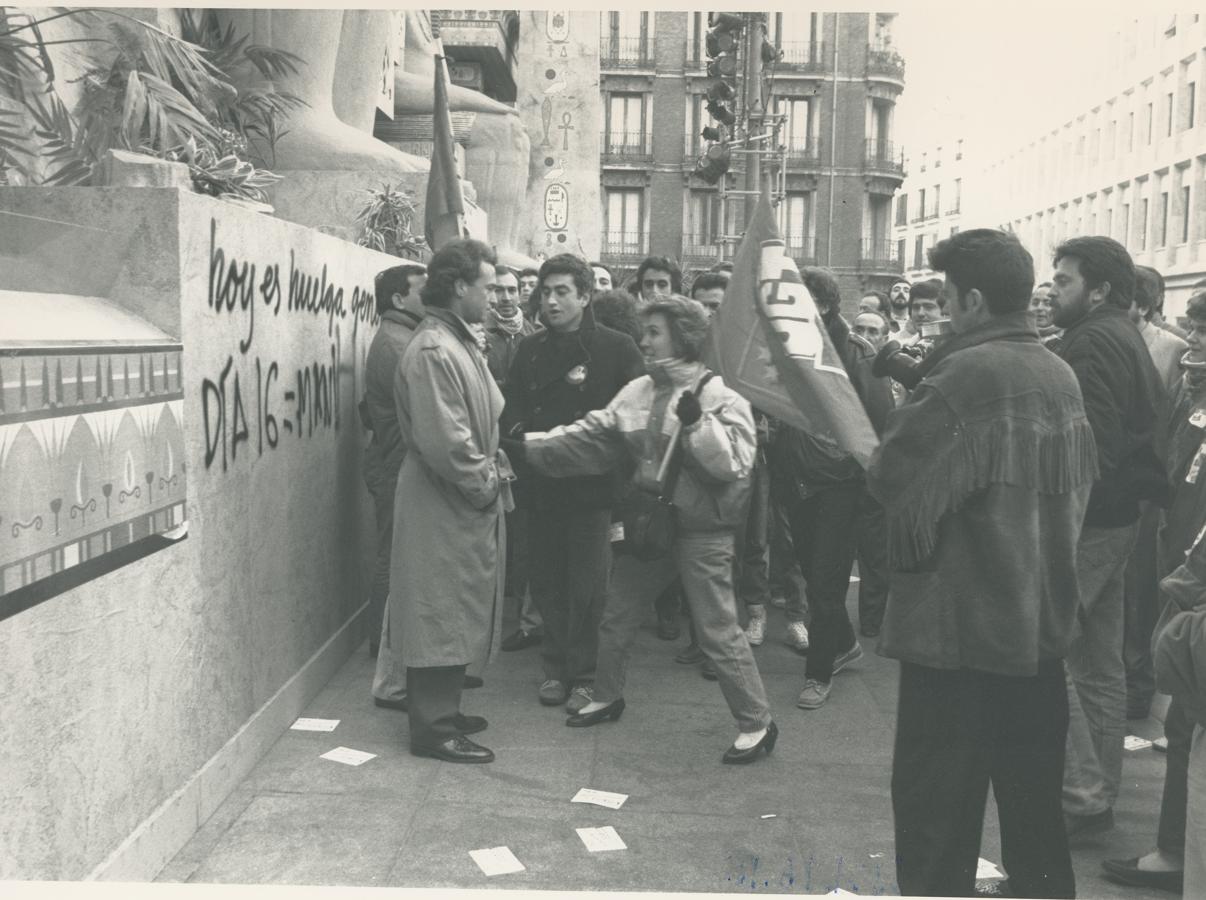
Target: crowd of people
1028,535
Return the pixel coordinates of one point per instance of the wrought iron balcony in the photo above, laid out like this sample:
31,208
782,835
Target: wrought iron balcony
884,62
625,52
882,156
803,56
802,249
626,147
625,243
803,151
880,253
699,248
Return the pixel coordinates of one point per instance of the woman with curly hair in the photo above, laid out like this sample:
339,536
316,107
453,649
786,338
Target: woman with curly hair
678,400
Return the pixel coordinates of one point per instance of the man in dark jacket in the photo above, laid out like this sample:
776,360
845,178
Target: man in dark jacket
1091,293
397,290
823,487
560,374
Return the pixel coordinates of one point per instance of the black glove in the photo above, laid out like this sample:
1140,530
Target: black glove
516,449
688,409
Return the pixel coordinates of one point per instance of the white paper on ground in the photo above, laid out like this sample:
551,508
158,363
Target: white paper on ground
771,816
348,756
496,861
1131,742
617,531
600,798
600,839
986,869
304,724
854,579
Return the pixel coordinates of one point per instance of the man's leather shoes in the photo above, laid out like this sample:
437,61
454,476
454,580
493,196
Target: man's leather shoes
1127,871
399,705
456,750
691,654
470,724
472,681
667,627
521,640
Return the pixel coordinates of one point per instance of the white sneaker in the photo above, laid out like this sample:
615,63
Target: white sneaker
797,636
755,631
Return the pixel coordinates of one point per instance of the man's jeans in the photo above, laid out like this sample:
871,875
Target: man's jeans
704,562
517,571
1096,675
1141,610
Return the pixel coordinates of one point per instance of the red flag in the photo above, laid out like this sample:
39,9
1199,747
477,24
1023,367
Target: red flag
445,202
769,344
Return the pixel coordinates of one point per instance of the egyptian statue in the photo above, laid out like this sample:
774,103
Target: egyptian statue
496,158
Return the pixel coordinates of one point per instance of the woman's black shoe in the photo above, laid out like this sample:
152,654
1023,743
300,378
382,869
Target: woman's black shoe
737,757
611,711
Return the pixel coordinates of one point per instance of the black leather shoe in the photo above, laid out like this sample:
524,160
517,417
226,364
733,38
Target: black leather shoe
691,655
470,724
472,681
667,627
456,750
521,640
1127,871
740,757
399,705
612,711
708,670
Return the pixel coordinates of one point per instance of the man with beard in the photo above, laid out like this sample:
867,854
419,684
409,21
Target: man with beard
1091,293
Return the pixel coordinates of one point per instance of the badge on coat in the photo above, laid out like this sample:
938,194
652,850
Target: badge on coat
576,375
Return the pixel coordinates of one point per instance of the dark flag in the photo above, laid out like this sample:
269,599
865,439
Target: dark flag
769,344
445,205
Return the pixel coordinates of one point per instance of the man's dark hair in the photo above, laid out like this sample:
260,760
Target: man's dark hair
823,286
568,264
991,261
394,280
660,264
1149,291
501,269
930,289
706,281
617,309
461,259
607,269
1102,260
1196,307
885,305
525,273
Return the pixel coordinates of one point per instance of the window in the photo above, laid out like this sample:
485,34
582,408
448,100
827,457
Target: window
1150,123
1185,214
1169,111
1111,139
902,209
1130,132
1126,223
1109,222
625,219
1191,100
1162,238
954,230
937,210
797,223
699,28
626,124
1143,225
702,223
901,248
920,205
958,195
627,24
799,122
919,251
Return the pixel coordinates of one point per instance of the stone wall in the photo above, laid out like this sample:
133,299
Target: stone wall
136,701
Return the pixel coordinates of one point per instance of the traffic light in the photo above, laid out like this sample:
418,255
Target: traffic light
724,32
713,163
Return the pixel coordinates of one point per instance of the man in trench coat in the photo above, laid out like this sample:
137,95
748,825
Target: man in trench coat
446,573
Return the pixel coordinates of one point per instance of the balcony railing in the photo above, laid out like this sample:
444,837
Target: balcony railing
884,157
625,146
625,243
804,151
699,247
886,62
803,56
625,52
694,56
801,249
880,253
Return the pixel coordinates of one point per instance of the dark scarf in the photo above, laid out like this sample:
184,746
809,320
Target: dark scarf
1039,440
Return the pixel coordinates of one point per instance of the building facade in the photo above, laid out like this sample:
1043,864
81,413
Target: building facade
1132,166
929,205
836,87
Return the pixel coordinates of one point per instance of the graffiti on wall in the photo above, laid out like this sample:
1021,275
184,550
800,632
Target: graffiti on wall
252,405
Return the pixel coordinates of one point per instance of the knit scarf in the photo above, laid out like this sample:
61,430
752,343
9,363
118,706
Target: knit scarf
954,439
512,324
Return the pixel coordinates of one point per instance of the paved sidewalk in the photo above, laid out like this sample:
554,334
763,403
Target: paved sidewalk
690,823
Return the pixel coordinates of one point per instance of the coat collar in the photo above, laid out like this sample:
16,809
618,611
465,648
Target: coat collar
402,317
1018,326
458,325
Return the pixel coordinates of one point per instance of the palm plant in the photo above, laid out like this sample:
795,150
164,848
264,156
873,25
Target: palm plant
159,94
386,223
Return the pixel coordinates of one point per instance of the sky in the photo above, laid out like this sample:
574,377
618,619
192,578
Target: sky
1001,73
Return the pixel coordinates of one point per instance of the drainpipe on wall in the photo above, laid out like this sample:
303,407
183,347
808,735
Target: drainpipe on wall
833,141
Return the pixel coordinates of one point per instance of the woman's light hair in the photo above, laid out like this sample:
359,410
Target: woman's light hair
687,320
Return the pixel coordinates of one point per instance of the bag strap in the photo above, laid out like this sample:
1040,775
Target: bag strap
676,458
